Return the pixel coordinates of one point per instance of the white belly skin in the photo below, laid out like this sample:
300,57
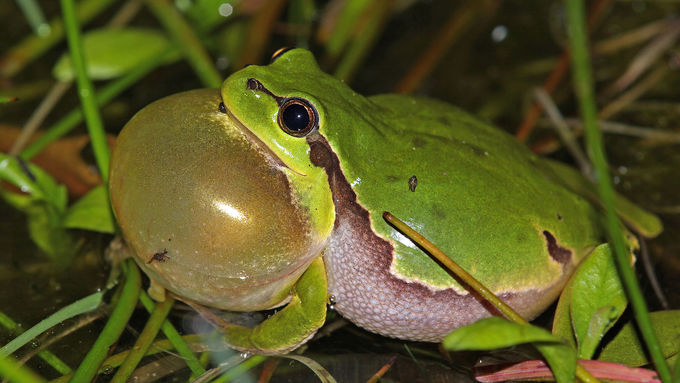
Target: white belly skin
367,294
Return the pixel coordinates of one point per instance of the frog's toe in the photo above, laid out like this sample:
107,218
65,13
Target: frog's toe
156,291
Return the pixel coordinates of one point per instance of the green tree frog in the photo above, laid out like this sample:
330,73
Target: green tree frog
270,194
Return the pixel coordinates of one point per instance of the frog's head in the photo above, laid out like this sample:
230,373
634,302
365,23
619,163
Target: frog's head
288,101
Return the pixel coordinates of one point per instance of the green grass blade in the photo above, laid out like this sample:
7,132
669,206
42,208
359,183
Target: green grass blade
35,16
113,328
188,42
241,368
74,309
12,371
584,90
175,339
86,89
158,347
144,340
46,355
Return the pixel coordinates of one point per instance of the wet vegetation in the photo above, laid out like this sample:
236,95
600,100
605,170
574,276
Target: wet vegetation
87,314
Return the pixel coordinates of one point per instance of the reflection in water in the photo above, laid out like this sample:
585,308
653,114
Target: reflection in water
230,210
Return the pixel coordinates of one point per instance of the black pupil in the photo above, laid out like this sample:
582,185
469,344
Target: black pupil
296,117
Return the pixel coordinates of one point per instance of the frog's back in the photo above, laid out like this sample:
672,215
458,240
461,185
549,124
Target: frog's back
478,191
479,195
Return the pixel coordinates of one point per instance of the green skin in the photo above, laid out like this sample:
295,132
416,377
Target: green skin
518,223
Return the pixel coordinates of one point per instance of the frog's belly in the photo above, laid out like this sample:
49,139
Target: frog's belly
365,292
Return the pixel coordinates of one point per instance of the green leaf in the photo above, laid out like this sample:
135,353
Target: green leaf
55,194
44,226
112,52
44,206
597,299
18,201
627,349
561,358
34,181
495,332
91,212
12,172
207,14
492,333
562,320
78,307
601,321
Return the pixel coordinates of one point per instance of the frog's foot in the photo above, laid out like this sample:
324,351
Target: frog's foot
292,326
117,251
156,291
289,327
636,218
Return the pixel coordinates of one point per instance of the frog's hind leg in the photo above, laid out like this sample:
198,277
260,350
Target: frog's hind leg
289,327
641,221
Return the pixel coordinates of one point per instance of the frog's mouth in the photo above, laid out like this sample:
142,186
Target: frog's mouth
273,159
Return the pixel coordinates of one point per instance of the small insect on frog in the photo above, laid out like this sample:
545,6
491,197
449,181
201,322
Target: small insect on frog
270,193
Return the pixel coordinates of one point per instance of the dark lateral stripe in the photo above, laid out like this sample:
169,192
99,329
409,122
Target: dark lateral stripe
558,253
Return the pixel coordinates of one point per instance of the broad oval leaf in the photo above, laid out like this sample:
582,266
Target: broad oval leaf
34,181
91,212
597,299
562,327
112,52
495,332
44,204
626,348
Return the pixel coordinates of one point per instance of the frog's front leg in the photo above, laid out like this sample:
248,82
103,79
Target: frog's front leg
291,326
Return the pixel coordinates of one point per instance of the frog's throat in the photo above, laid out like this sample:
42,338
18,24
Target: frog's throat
254,140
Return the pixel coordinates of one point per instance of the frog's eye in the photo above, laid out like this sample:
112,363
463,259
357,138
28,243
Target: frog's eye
279,53
297,117
222,108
